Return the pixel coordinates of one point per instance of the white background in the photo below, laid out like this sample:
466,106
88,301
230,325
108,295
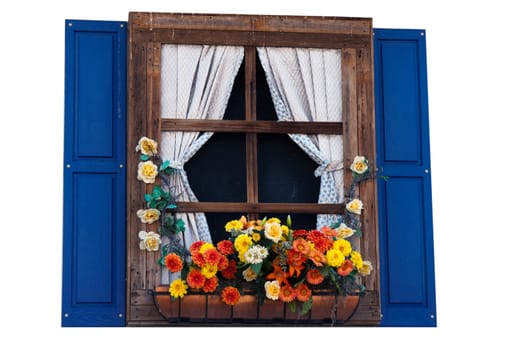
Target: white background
475,84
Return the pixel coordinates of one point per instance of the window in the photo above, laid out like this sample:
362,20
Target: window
247,129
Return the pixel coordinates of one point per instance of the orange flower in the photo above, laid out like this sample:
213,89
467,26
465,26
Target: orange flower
317,257
302,246
198,258
195,279
303,293
345,268
299,233
173,262
287,294
211,256
278,274
210,284
230,295
223,263
225,247
314,277
321,241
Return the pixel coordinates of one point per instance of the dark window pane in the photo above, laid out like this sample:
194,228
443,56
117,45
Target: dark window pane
265,108
286,173
235,109
217,172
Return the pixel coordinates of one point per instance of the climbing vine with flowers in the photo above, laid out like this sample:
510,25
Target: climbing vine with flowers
267,257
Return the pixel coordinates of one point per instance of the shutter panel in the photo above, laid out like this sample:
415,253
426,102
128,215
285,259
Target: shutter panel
94,234
403,155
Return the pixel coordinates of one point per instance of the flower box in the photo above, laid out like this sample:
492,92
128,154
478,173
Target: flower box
201,308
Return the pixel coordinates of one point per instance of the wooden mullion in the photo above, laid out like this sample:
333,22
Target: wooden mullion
250,95
252,126
349,114
242,207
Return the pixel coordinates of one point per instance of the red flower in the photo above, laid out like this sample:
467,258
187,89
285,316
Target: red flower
195,279
198,258
299,233
230,295
173,262
287,293
223,263
346,268
229,272
195,246
314,277
225,247
210,284
303,293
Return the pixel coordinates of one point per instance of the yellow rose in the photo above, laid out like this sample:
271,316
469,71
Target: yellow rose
366,269
150,241
147,146
359,165
344,231
148,216
272,289
273,231
147,172
355,206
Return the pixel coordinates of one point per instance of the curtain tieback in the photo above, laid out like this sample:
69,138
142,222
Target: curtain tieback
328,166
177,165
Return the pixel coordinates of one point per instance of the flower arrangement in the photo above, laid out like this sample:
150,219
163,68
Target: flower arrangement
266,257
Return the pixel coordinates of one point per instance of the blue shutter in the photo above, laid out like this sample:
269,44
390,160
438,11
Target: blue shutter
403,155
94,233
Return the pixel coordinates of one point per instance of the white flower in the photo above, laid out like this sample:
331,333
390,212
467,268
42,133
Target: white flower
150,241
344,231
255,254
147,146
359,165
147,171
355,206
272,289
148,216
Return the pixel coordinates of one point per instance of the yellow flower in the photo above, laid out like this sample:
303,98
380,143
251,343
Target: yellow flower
273,231
285,229
343,246
234,225
366,268
272,289
242,242
274,220
205,247
147,172
334,257
209,270
355,206
344,231
178,288
256,237
150,241
147,146
148,216
356,259
359,165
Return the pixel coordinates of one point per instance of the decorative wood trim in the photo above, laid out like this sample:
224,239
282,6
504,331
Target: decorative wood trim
252,126
231,207
250,97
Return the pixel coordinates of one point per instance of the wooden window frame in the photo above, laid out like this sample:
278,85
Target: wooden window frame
353,36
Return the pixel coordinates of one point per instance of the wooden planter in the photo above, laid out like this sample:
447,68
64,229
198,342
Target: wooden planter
201,308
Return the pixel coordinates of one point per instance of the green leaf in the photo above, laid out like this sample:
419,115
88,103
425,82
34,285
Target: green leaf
293,307
169,171
164,165
148,197
307,306
157,192
171,206
289,221
144,157
324,270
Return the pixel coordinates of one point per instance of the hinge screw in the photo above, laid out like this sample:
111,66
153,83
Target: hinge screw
70,24
432,316
427,171
121,165
66,315
120,315
68,166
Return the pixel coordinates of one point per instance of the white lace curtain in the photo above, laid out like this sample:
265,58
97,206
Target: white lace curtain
305,85
196,82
